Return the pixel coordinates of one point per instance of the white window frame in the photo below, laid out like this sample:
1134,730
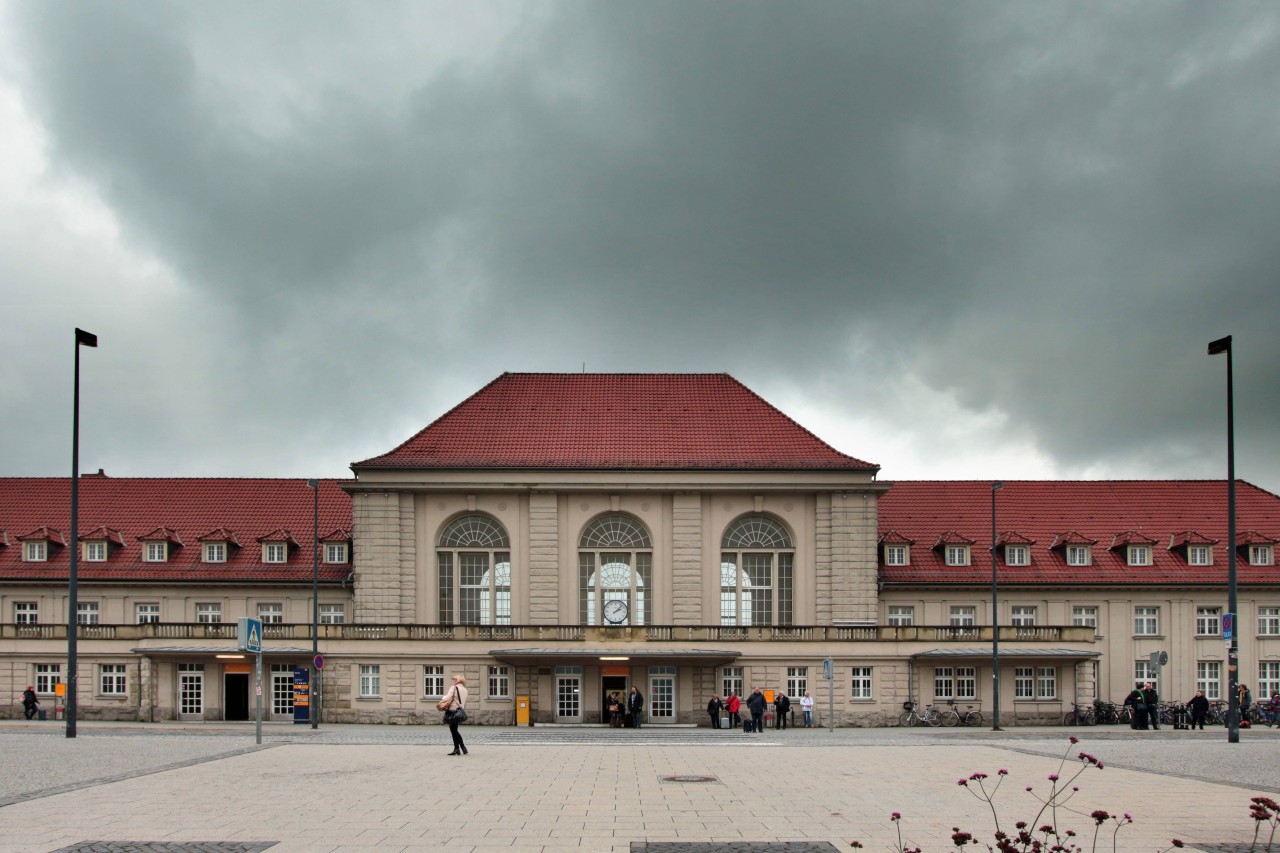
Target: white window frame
901,614
1138,555
1023,615
432,680
209,612
275,552
26,613
1261,555
861,684
113,679
1024,684
797,681
944,683
731,680
333,614
897,555
1085,616
1268,680
1209,679
147,612
94,551
214,552
1269,621
1079,555
47,675
370,681
1144,673
1046,683
1146,621
1017,555
271,612
88,613
335,552
35,551
957,555
499,682
1199,555
155,552
963,616
1208,621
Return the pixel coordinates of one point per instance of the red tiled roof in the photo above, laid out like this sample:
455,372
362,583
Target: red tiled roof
706,421
1055,512
141,508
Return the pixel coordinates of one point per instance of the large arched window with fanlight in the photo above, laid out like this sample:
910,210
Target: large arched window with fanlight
615,570
473,559
757,577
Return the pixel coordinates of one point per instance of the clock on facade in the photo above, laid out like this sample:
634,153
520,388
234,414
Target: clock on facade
615,611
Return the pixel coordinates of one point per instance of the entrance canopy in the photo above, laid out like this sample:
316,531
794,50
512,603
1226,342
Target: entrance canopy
981,655
191,651
628,655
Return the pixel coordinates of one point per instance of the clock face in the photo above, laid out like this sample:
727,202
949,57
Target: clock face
615,611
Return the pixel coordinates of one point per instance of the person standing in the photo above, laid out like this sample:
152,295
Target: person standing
732,705
30,704
1199,708
1135,701
635,706
615,711
455,700
756,704
713,709
1246,699
806,708
781,707
1152,700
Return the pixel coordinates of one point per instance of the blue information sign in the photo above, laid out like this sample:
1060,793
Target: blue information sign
301,694
1228,626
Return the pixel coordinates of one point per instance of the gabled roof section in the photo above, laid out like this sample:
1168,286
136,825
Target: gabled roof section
648,421
1014,538
1071,537
1189,537
279,535
50,534
220,534
1130,537
103,533
950,537
162,534
1253,537
893,537
339,534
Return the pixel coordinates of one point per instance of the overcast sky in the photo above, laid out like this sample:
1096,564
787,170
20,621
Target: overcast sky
956,239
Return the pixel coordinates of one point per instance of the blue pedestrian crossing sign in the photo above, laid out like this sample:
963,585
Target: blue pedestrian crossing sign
249,634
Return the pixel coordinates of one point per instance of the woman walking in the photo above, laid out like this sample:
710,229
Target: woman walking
456,700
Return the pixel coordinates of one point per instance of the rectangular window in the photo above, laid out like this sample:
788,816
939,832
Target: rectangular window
966,682
1047,683
499,682
797,681
274,552
731,681
26,613
1146,621
1268,679
1024,682
271,613
215,552
1079,555
1085,617
957,555
335,552
47,675
432,680
1199,555
1269,621
281,690
1209,679
1260,555
333,614
1208,621
902,614
944,682
95,552
1139,555
1143,672
87,613
370,681
35,552
147,613
964,616
1017,555
1023,615
112,679
155,552
208,612
895,555
955,683
860,681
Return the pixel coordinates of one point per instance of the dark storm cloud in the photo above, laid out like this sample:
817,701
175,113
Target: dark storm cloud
1041,210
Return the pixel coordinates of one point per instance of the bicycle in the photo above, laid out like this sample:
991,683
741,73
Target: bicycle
1079,716
1106,713
969,718
949,716
911,717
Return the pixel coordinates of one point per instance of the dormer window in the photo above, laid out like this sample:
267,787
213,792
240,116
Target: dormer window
1139,555
214,552
336,547
159,545
1199,555
1076,550
954,547
895,555
1079,555
957,555
335,552
1017,555
95,551
275,552
35,551
216,545
895,549
155,552
1261,555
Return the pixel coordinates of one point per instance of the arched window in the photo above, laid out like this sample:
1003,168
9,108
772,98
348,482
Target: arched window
757,578
474,563
615,566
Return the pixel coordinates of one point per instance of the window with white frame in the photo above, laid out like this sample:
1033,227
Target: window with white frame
333,614
26,613
214,552
944,682
281,689
95,551
1017,555
155,552
860,683
1139,555
473,565
111,679
147,613
902,614
1047,683
966,682
499,682
731,680
1023,615
1085,616
36,551
955,682
1268,679
1146,621
1209,678
1260,555
335,552
963,616
797,681
432,680
1024,682
1269,621
1208,621
1079,555
957,555
757,577
895,555
87,612
275,552
370,681
271,612
47,675
208,612
1199,555
1144,673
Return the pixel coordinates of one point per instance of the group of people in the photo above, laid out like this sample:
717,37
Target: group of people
757,705
1146,707
626,713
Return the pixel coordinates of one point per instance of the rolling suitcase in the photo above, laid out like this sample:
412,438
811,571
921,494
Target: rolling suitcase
748,725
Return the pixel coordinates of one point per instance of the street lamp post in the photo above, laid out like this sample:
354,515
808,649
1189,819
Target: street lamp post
314,698
1233,646
995,617
87,339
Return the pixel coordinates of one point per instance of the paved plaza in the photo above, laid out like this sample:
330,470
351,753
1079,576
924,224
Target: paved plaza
181,788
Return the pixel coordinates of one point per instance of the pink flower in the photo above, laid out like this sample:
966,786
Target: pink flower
1002,772
1073,739
896,816
1053,777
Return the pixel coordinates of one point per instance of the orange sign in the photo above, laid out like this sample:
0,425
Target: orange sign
237,668
59,689
615,670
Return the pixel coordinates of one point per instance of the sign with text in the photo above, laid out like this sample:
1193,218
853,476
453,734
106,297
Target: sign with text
249,634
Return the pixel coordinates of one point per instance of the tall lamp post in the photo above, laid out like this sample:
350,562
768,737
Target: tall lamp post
995,617
313,699
87,339
1233,647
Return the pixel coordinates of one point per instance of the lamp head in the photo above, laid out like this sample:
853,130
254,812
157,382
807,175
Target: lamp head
1221,345
997,485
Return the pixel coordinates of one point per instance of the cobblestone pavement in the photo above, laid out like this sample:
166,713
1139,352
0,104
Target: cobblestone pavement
348,788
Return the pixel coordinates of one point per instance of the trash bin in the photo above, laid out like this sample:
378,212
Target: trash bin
41,715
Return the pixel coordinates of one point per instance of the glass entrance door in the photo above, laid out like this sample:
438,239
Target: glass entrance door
191,690
662,698
568,698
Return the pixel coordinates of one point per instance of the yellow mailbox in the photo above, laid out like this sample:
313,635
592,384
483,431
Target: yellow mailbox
522,710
